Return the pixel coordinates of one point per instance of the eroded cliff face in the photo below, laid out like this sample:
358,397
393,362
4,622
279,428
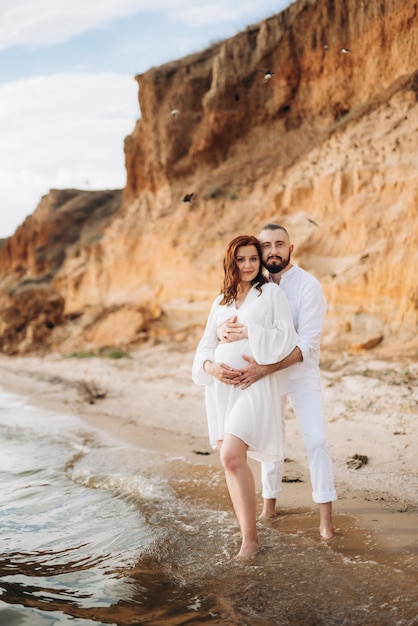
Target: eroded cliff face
65,225
327,147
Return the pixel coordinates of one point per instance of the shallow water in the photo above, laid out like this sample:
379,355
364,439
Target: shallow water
73,528
92,533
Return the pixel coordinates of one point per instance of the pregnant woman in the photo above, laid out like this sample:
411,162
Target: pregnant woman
248,421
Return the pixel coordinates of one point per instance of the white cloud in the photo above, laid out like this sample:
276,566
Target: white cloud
208,12
65,130
50,22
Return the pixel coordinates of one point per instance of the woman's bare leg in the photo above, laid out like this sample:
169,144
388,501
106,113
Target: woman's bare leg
241,487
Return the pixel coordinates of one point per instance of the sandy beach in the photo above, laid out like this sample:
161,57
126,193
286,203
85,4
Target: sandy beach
148,400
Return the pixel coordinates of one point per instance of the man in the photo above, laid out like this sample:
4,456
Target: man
300,374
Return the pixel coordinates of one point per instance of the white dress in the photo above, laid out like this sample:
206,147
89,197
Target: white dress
253,414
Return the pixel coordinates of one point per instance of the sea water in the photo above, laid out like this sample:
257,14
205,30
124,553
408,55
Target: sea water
83,526
94,532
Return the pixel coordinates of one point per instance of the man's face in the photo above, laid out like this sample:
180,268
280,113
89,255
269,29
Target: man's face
276,249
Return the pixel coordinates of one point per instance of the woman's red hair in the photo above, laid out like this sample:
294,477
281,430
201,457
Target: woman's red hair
231,271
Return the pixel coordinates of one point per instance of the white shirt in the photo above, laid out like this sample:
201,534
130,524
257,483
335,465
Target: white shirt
309,306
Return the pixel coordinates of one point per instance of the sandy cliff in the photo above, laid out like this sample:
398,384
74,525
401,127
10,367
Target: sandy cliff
327,146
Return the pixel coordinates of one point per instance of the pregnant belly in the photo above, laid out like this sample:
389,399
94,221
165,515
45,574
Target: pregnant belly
231,353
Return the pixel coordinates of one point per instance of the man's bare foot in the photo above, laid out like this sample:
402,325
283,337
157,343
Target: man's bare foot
248,549
326,528
326,533
269,508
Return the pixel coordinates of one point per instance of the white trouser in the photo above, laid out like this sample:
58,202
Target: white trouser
309,411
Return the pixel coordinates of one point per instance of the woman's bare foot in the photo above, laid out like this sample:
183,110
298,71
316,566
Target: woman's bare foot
269,508
248,549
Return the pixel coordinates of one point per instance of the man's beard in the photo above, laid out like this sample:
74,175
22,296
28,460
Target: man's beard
275,267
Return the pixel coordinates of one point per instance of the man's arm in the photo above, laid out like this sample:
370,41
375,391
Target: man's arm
254,371
311,314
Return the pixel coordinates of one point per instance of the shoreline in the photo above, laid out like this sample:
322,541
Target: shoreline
150,402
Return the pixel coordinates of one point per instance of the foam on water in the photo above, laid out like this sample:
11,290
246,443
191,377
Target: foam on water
93,533
71,525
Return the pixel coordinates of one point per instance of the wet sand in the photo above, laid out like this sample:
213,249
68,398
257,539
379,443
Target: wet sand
371,409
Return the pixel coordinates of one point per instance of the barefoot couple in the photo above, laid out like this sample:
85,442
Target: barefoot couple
249,336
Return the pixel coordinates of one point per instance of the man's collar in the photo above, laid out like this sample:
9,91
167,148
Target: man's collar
279,276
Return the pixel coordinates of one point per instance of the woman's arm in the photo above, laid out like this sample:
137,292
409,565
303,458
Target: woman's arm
273,342
203,368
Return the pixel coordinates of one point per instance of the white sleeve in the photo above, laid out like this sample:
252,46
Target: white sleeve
311,320
206,347
273,341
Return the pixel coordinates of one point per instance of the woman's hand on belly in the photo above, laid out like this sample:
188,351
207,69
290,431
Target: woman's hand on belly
222,372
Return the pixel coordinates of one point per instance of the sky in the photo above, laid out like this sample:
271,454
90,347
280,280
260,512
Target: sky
68,96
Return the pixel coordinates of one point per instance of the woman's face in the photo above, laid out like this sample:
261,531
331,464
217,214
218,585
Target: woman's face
248,262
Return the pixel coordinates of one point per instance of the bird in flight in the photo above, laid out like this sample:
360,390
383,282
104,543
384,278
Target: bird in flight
174,112
188,198
267,74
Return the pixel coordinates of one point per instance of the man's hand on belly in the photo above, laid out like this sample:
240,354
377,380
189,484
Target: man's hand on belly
253,372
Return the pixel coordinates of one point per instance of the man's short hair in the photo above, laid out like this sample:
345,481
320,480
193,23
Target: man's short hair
271,226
